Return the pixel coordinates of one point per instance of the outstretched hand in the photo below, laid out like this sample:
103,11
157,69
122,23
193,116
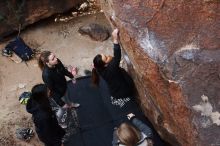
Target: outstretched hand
74,71
115,36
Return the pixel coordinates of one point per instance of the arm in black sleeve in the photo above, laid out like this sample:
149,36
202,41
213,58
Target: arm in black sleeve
117,56
64,70
49,83
142,127
58,100
115,139
67,73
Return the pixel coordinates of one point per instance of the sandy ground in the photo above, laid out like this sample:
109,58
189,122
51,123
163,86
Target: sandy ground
61,38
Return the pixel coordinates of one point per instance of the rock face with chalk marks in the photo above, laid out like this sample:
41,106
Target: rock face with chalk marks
174,50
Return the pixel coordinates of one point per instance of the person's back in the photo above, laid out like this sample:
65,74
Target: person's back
119,82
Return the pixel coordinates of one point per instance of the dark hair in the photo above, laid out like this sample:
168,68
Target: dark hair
43,59
98,65
39,93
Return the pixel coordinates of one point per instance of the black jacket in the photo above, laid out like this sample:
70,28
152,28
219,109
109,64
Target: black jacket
46,124
55,80
119,82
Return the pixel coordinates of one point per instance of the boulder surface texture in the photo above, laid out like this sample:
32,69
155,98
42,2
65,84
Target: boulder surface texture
174,55
95,31
23,12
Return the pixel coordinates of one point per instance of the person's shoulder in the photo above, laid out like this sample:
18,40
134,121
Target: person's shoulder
112,67
59,64
105,72
59,61
46,73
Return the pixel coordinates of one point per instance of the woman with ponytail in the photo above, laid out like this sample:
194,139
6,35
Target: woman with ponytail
120,84
53,74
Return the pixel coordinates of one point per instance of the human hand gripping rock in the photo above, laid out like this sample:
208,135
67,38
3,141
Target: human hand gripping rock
115,36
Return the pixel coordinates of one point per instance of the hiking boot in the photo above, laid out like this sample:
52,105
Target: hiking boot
6,52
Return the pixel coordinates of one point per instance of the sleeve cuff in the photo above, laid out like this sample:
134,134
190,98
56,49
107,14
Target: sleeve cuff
132,118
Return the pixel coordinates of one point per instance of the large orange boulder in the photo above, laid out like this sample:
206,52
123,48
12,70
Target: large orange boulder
174,50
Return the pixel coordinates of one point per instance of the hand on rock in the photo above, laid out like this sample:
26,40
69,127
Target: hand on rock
115,36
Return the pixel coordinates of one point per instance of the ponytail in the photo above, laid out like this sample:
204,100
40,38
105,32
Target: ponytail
43,59
40,63
95,77
98,66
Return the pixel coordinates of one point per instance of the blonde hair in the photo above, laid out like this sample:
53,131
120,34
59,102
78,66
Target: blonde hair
128,134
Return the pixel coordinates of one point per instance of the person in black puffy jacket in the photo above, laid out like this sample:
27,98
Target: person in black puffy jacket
46,125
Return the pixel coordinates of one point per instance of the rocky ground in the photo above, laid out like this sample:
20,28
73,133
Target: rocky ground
60,37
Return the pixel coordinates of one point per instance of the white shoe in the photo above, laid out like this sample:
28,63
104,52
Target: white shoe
75,105
64,126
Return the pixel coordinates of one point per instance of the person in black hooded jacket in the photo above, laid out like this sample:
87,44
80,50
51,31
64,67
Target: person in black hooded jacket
46,125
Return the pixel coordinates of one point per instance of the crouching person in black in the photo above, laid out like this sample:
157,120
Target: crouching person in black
46,125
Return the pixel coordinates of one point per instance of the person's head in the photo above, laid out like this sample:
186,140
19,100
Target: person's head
128,134
106,58
39,93
47,58
99,62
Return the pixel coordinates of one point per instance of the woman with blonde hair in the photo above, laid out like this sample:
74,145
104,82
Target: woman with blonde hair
129,135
